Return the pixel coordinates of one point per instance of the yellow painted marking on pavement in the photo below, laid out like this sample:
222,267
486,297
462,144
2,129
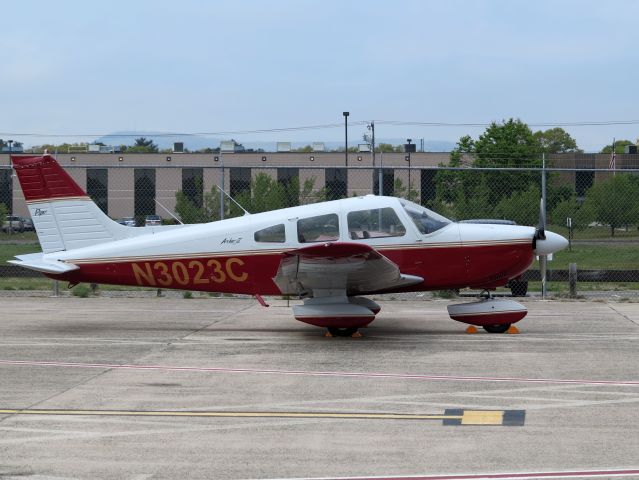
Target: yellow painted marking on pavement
482,417
372,416
454,417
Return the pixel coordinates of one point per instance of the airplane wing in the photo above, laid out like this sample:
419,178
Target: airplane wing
338,267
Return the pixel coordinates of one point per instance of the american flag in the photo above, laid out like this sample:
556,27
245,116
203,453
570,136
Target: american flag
613,158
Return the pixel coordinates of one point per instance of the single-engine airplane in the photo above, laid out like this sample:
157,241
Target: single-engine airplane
329,254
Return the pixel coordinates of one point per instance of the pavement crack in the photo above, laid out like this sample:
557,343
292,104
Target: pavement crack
623,315
56,394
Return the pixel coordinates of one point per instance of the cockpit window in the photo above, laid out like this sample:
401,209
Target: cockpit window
425,220
374,223
322,228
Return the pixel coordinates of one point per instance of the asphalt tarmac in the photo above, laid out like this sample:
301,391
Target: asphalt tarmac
217,388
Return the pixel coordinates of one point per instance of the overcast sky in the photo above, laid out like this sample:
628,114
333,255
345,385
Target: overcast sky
71,67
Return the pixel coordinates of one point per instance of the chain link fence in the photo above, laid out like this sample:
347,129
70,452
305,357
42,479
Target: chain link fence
596,209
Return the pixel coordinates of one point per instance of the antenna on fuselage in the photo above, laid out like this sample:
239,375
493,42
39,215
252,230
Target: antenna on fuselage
168,211
246,212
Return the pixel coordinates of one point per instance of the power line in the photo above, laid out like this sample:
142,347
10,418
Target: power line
309,128
181,134
541,124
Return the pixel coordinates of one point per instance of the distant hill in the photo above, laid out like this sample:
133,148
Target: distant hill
164,141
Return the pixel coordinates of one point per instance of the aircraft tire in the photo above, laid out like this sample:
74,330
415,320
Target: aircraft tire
518,288
497,328
342,332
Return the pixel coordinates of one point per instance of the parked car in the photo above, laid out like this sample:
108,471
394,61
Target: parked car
28,224
152,221
127,221
13,223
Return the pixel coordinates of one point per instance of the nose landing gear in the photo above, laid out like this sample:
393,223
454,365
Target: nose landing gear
492,314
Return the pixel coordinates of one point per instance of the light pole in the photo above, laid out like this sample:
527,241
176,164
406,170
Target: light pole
345,139
10,142
371,127
408,158
223,185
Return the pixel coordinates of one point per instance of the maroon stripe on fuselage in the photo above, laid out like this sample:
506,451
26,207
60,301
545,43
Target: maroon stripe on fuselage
484,266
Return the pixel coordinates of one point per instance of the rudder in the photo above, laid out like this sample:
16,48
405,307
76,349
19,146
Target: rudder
63,215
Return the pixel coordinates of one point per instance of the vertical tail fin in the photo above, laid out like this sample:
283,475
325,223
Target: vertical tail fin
63,214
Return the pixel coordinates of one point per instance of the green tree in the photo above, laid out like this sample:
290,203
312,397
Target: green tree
619,146
464,150
265,194
388,148
509,144
143,145
571,208
304,149
62,147
614,202
555,140
464,192
4,211
402,191
522,207
308,194
475,193
208,150
208,212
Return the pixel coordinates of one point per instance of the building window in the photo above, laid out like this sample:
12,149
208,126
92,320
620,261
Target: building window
144,194
289,179
6,190
335,183
583,181
98,187
428,188
240,180
388,179
193,185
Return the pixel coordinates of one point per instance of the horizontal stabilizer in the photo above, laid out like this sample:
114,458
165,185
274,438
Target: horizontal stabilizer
35,261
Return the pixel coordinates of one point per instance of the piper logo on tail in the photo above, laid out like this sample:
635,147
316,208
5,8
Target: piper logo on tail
39,212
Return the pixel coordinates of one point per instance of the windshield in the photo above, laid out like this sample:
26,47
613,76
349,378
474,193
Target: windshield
425,220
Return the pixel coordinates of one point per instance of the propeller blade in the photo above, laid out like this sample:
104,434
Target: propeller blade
541,228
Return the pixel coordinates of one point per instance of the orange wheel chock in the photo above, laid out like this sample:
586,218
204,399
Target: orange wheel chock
471,329
513,330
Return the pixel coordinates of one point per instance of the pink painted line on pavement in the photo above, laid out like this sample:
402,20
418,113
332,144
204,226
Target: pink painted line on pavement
493,476
311,373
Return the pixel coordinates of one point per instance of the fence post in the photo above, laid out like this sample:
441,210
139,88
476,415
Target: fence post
56,288
572,279
222,187
543,259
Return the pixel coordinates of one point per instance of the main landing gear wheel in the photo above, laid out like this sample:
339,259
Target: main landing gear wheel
342,332
497,328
